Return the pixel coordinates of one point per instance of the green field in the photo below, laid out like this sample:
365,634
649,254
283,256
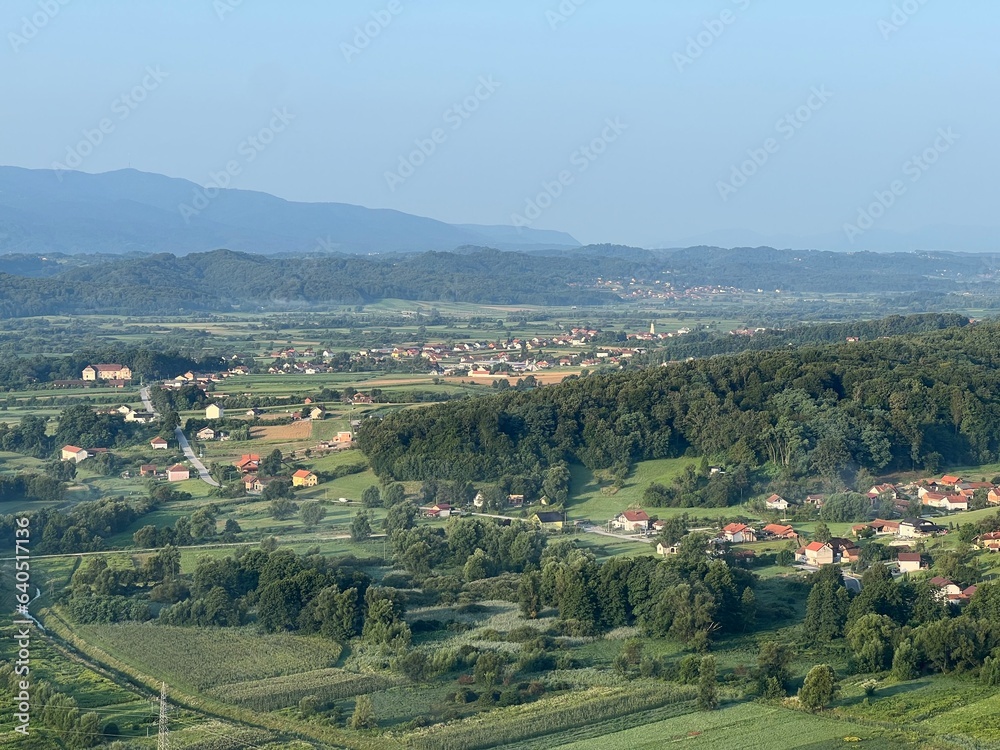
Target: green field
744,727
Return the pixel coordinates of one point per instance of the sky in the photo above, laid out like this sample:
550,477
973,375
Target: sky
635,122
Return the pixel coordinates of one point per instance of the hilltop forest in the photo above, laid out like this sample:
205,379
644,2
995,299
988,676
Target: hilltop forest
929,401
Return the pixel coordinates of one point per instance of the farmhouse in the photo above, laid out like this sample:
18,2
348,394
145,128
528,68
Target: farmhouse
178,473
777,531
107,372
344,439
945,502
303,478
666,549
913,528
989,541
946,590
249,462
441,510
252,483
818,553
909,562
738,533
631,520
776,502
206,433
159,444
548,520
74,454
147,470
317,412
214,411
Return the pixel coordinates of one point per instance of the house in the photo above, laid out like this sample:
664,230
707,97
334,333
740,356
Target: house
254,413
850,555
360,398
667,549
914,528
818,553
817,501
253,483
778,531
631,520
945,502
74,454
776,502
950,480
147,470
909,562
317,412
479,501
249,462
159,444
990,541
441,510
946,590
879,490
515,501
178,473
344,438
107,372
880,526
548,520
739,533
140,417
214,411
303,478
206,433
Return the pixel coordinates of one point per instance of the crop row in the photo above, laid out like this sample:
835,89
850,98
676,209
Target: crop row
281,692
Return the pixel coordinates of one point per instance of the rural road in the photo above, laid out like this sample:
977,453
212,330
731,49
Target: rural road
189,452
144,395
182,441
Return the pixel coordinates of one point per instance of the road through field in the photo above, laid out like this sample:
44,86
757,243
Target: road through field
189,452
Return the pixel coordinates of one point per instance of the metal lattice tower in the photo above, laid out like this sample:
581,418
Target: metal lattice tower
164,737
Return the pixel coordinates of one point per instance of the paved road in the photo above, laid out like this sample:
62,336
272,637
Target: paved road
189,452
144,395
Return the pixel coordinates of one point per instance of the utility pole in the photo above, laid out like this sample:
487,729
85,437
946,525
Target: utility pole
164,738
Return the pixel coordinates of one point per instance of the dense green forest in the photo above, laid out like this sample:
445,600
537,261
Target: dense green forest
929,401
223,280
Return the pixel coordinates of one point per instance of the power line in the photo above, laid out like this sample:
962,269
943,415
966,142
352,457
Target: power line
163,742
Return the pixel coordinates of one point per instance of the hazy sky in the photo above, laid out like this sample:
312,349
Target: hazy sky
630,115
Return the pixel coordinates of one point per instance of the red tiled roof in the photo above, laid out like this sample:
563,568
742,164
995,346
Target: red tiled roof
815,546
909,557
635,515
72,448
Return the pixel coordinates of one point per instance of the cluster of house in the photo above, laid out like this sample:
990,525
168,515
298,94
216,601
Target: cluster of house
907,528
949,493
249,466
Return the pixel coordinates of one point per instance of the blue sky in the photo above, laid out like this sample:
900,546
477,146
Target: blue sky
536,87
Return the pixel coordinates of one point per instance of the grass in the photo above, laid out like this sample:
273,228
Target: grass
590,502
202,658
282,692
747,726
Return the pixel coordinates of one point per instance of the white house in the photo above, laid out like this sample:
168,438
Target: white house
776,502
74,454
738,533
214,411
631,520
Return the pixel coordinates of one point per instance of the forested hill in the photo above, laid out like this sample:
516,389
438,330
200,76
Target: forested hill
224,280
919,401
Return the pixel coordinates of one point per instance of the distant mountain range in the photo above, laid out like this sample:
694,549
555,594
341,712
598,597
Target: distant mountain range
929,239
44,211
